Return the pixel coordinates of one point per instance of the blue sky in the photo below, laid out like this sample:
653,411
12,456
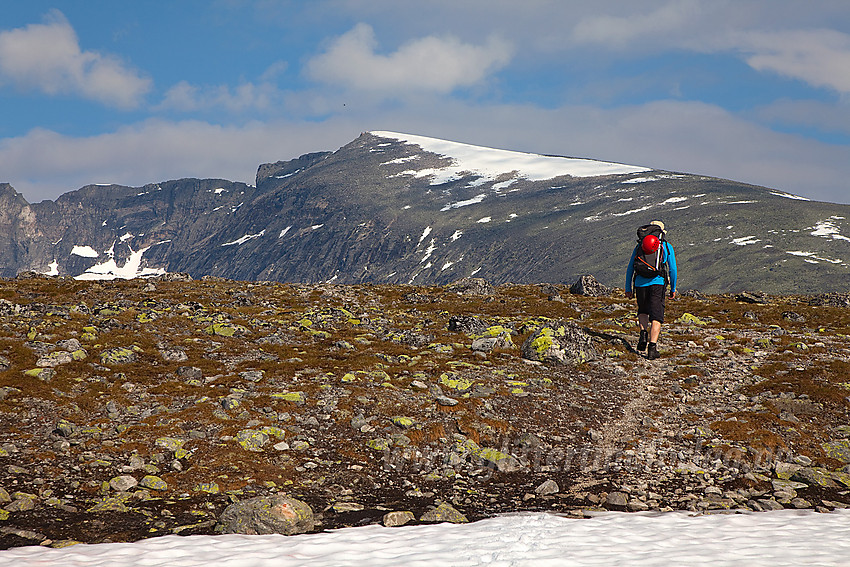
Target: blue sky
140,92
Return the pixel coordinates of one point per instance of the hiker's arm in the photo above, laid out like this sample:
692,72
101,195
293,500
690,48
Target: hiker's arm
630,274
671,262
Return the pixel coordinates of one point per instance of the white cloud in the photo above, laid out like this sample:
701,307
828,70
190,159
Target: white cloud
248,96
819,57
434,64
186,97
826,117
47,57
622,29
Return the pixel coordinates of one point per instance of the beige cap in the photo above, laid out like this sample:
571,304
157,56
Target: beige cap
659,224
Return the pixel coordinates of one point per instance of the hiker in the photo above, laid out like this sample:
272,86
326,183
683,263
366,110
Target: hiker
652,268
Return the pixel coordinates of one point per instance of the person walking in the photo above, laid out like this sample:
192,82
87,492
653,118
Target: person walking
651,269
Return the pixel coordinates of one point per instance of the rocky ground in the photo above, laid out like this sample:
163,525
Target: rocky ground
132,409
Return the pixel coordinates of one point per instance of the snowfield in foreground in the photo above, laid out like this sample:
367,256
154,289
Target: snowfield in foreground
611,538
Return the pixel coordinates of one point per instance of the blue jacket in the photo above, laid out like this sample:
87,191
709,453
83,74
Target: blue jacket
640,281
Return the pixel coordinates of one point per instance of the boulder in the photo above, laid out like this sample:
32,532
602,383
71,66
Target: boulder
445,512
395,519
589,286
561,342
471,286
118,355
276,514
466,324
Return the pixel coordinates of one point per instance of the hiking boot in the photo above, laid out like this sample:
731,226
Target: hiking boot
642,341
652,352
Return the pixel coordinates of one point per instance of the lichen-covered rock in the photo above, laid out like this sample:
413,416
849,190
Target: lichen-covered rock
444,512
561,342
44,374
252,439
403,422
299,398
496,336
839,450
814,477
153,482
277,514
589,286
498,460
118,355
226,330
691,319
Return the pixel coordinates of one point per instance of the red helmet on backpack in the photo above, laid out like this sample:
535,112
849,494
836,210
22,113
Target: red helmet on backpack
650,244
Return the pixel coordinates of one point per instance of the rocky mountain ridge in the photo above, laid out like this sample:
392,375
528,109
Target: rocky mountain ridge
401,209
131,409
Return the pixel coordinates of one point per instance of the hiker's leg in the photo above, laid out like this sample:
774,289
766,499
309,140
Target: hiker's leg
654,331
643,321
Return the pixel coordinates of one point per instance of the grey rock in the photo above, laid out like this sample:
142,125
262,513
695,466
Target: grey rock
53,359
471,286
395,519
123,483
466,324
589,286
277,514
617,499
70,345
769,504
548,487
190,373
486,344
252,375
173,354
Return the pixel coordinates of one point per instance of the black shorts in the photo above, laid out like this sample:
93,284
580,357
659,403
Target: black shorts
650,300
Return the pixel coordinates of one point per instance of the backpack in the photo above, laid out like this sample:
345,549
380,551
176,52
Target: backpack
655,264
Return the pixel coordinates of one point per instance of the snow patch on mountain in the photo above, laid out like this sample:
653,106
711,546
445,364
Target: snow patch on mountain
813,258
245,238
745,240
132,268
789,196
84,251
828,229
491,164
